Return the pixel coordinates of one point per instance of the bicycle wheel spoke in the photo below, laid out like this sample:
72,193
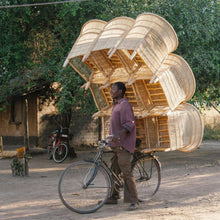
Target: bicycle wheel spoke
147,176
97,187
75,195
60,153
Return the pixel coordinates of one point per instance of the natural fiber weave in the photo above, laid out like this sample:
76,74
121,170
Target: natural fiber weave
139,53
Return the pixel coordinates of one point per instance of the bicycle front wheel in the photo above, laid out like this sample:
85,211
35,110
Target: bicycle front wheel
60,153
84,187
146,171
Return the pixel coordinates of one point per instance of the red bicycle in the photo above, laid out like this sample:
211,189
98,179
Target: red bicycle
58,145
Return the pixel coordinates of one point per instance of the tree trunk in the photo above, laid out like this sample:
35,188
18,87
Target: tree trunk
65,123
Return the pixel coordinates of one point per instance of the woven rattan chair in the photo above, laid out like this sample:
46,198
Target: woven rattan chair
139,53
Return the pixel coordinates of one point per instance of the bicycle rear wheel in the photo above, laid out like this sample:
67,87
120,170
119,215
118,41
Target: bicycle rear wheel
60,153
84,188
146,171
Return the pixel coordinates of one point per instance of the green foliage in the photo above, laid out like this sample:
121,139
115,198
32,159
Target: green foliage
17,167
36,40
71,96
197,26
117,8
212,133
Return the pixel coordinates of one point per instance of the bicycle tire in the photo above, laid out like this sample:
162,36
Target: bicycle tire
60,153
147,174
73,193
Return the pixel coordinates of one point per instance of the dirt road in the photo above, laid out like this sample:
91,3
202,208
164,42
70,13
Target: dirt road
190,189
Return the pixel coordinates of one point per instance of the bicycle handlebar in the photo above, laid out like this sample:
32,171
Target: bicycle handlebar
102,143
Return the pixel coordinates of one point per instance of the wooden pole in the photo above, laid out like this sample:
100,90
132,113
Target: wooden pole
26,130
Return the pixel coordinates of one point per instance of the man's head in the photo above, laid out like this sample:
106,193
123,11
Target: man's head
118,90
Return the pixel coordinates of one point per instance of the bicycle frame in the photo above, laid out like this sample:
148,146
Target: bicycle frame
115,179
145,168
57,137
98,161
58,146
138,156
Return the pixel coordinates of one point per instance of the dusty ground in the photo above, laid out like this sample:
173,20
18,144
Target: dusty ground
190,189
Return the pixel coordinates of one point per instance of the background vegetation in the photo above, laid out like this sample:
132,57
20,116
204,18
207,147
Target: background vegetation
36,40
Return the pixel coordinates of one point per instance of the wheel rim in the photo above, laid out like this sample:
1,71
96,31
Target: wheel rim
76,196
147,179
60,153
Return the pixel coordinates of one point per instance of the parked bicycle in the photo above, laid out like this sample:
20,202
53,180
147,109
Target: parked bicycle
58,145
85,185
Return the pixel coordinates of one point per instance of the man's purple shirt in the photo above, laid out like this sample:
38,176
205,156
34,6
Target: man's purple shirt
123,117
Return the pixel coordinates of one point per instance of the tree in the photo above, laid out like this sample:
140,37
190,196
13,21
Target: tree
36,40
197,26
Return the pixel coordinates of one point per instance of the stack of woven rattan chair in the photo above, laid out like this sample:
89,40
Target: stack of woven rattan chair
159,83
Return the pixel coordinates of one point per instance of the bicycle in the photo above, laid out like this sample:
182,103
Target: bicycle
84,186
58,148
